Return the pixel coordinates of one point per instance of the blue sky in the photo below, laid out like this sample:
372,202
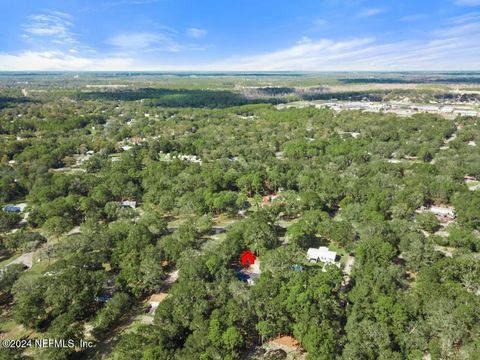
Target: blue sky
242,35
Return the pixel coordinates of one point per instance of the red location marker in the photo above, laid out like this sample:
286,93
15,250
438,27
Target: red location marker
247,258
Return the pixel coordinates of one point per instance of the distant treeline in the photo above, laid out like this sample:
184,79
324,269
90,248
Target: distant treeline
220,98
474,79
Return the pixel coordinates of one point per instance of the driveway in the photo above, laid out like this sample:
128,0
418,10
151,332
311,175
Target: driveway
25,259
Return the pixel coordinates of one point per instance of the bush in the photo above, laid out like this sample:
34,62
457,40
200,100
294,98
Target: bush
428,222
25,240
8,220
111,313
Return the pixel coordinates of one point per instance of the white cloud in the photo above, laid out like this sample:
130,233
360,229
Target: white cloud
61,61
370,12
321,22
413,17
465,18
468,2
196,33
304,40
305,55
145,41
454,47
140,40
131,2
51,26
318,25
152,41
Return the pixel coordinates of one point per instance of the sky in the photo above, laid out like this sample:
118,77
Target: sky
240,35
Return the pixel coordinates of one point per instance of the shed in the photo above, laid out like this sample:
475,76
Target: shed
129,204
444,211
321,254
286,342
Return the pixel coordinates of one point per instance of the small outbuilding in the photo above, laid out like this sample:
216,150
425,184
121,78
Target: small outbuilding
321,254
287,343
129,204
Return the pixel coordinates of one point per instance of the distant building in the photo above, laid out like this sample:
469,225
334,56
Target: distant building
466,112
394,161
266,200
191,158
443,211
129,204
11,209
445,215
287,343
218,230
103,298
14,208
321,254
355,134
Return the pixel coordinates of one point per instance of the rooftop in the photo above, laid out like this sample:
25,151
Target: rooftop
158,297
286,341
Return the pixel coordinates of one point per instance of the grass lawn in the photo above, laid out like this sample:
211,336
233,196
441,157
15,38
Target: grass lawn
136,324
9,329
13,331
224,220
286,223
175,222
6,258
39,267
213,241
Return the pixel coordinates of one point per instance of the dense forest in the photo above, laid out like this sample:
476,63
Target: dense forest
130,193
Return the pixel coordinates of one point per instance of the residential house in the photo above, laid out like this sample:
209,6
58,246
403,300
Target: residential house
321,254
444,214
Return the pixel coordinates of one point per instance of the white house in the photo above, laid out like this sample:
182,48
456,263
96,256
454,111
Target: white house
443,211
129,204
322,254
